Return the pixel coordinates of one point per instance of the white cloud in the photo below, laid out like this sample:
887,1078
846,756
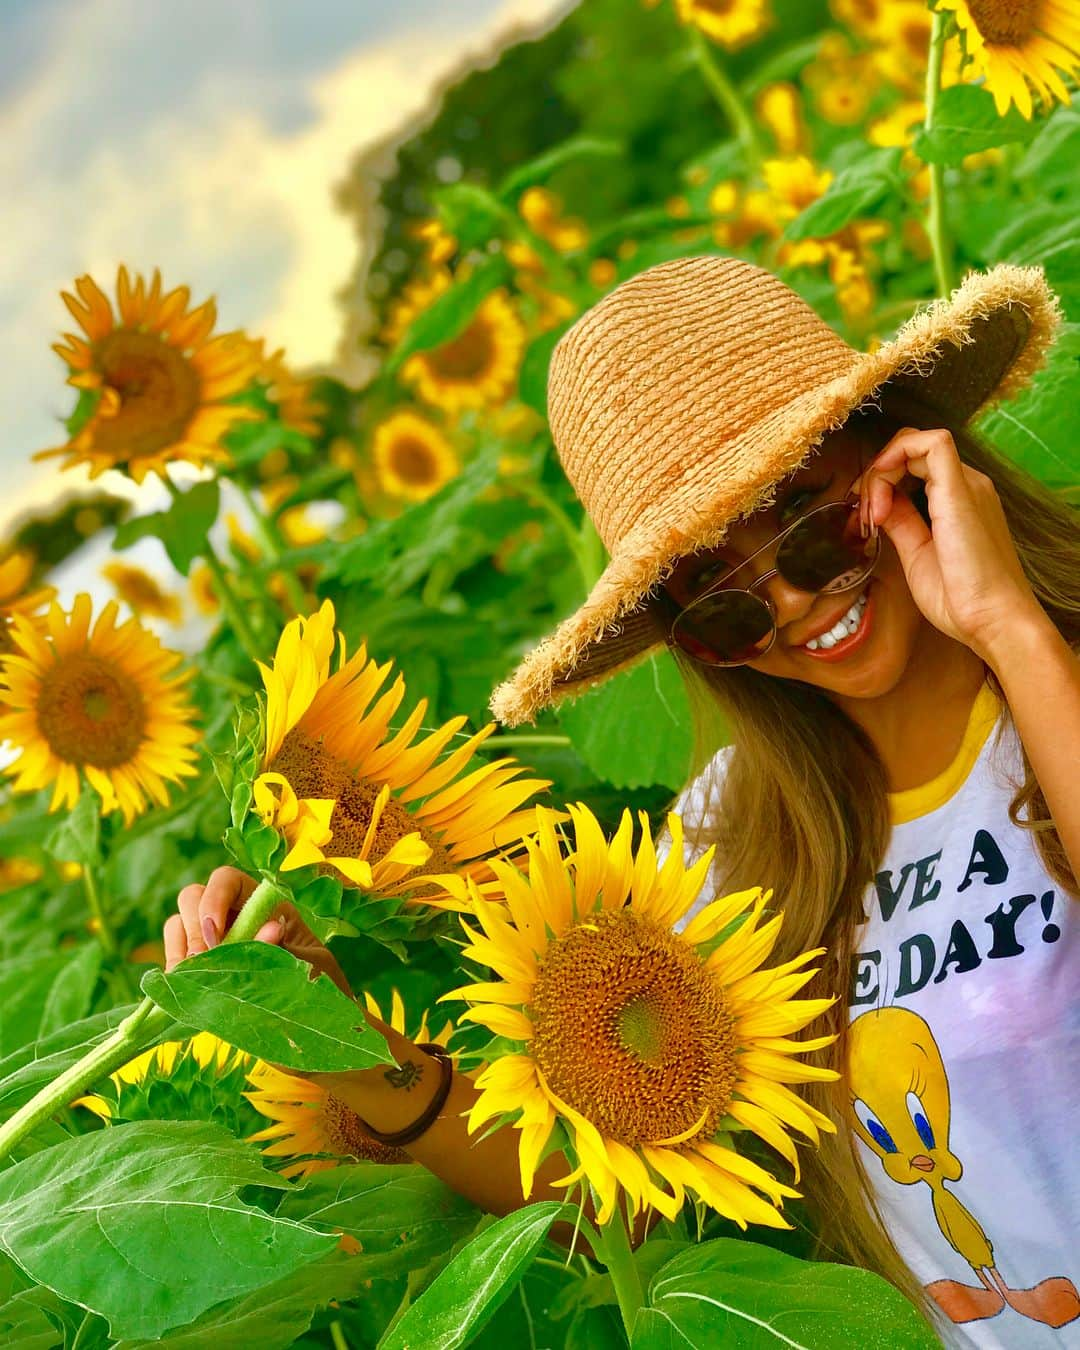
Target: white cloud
184,137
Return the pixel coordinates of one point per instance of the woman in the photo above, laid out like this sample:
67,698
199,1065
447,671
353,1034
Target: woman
702,410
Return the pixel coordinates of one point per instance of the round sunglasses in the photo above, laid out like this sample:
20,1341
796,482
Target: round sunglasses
823,552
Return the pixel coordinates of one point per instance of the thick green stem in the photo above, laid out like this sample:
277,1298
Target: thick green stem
935,221
616,1255
274,545
146,1025
103,930
729,98
337,1335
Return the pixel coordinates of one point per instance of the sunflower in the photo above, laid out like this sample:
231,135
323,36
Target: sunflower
643,1045
541,210
372,807
417,295
308,1119
201,585
732,23
141,592
479,366
162,380
1014,41
903,48
15,573
413,459
290,396
197,1079
102,701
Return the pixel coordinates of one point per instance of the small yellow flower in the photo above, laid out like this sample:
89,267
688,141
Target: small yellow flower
602,273
141,592
439,245
732,23
18,872
201,583
413,459
476,368
779,107
541,210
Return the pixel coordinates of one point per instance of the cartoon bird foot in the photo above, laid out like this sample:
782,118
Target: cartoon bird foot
1053,1301
965,1302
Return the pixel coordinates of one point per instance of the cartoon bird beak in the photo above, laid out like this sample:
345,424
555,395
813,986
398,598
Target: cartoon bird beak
923,1163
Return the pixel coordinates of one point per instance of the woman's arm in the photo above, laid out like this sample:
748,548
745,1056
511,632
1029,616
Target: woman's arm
1040,678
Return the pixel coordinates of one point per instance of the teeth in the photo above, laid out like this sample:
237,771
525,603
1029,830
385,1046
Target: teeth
843,628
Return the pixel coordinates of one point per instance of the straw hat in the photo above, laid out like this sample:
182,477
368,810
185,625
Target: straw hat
680,400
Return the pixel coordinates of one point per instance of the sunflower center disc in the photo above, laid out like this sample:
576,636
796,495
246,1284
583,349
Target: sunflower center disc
1010,22
345,1138
466,356
632,1031
413,462
159,392
311,771
91,712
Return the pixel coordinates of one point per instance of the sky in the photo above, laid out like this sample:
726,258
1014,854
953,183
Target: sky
204,138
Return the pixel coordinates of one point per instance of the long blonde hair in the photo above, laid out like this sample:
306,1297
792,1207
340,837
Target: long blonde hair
802,808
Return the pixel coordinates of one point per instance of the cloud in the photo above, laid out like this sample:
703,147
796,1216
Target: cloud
206,140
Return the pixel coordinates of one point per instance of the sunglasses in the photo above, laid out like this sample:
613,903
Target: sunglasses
823,552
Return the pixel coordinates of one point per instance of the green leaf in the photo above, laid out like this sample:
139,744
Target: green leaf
965,122
470,213
38,994
142,1223
634,729
748,1296
36,1063
260,998
856,192
77,838
477,1281
402,1216
450,313
541,168
184,528
273,1316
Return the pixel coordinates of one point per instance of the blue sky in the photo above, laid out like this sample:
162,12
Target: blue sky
205,138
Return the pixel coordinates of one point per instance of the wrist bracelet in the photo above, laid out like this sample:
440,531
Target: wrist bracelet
424,1121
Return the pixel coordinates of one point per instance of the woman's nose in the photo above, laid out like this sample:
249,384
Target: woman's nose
789,603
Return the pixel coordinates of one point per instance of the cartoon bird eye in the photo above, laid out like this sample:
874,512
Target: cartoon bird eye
918,1118
873,1127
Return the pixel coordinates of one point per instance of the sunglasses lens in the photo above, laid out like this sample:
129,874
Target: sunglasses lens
724,629
826,551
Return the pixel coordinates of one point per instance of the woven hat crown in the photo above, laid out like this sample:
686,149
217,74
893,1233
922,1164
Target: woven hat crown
672,369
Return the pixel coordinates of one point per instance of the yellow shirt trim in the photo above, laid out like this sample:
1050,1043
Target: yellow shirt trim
927,797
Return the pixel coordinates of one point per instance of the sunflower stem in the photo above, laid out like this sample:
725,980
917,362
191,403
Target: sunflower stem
614,1251
103,930
270,538
935,221
337,1335
729,98
145,1026
538,739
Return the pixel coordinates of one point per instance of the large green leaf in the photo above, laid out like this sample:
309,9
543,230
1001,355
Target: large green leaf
183,529
38,1062
464,1295
541,168
750,1297
77,836
856,192
401,1216
38,994
966,121
634,729
142,1223
261,999
273,1316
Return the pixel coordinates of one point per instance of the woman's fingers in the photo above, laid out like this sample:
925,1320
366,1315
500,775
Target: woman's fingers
175,941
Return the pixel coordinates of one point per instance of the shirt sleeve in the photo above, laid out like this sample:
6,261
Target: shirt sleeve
691,805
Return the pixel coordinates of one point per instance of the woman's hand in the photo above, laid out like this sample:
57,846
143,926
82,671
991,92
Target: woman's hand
964,574
206,913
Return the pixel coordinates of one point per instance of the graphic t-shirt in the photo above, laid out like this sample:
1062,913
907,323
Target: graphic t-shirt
965,1051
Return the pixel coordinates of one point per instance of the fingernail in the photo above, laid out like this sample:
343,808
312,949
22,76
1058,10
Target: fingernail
211,936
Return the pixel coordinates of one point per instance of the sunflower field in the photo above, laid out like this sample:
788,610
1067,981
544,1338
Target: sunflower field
370,554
